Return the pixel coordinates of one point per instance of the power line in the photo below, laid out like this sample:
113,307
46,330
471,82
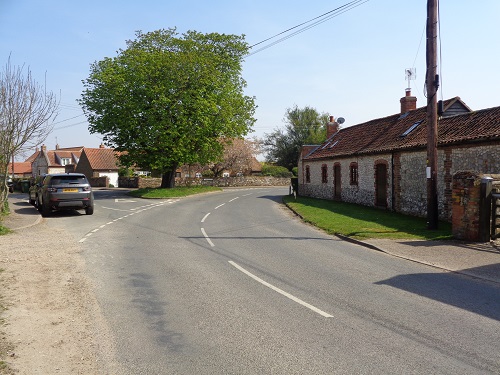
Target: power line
69,126
318,20
71,118
303,23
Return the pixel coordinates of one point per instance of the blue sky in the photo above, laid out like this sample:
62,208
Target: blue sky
350,66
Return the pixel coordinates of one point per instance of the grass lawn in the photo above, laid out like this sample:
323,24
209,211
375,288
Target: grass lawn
363,222
176,192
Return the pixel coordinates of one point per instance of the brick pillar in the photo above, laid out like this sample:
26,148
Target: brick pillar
465,207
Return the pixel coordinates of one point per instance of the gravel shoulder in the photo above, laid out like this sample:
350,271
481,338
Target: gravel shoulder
52,323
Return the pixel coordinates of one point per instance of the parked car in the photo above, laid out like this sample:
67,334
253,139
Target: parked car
61,191
33,190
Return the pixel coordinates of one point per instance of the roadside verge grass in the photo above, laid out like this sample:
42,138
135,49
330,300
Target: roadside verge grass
176,192
361,222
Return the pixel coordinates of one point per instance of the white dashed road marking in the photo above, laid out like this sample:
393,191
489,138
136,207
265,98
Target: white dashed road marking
137,210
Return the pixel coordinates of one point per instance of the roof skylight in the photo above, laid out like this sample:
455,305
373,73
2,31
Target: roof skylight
411,128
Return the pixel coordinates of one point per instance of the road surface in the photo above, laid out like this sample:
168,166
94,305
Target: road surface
233,283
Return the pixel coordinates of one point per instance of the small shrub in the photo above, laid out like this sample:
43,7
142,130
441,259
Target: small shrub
275,171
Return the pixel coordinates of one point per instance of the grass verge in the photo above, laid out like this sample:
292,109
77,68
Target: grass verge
361,222
4,230
177,192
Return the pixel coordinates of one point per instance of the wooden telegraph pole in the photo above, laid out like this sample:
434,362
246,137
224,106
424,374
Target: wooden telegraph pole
432,84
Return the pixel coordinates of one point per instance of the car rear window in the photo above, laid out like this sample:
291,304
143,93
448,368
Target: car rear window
61,180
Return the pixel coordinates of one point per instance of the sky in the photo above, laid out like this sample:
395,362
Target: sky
351,66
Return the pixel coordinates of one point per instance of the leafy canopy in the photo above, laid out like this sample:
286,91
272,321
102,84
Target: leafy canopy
168,99
303,126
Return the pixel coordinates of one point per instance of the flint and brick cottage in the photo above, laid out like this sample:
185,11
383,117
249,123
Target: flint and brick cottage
382,162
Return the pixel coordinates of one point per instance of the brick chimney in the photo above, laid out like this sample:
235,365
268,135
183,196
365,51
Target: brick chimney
102,145
408,102
332,127
43,148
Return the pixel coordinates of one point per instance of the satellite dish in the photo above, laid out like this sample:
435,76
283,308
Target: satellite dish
341,120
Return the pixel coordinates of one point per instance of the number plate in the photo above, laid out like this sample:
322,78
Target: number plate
70,190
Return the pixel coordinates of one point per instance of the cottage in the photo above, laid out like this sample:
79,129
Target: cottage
382,162
99,162
60,160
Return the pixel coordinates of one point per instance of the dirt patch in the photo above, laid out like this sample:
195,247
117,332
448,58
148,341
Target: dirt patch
52,323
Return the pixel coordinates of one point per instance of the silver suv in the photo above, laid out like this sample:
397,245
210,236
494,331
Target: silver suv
63,191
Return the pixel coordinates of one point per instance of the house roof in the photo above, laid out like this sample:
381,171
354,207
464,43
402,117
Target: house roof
102,158
54,157
20,167
409,130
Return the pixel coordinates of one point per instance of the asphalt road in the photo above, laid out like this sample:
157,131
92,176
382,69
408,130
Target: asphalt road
232,283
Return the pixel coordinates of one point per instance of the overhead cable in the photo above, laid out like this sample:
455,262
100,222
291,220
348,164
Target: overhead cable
317,21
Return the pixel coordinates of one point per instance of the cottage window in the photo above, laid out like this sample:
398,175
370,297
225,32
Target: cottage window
353,173
308,174
324,174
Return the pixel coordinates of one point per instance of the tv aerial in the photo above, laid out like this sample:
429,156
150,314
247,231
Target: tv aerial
410,75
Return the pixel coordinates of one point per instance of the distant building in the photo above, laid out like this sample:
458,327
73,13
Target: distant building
60,160
99,162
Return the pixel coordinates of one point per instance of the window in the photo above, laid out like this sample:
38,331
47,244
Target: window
353,173
65,161
324,174
308,174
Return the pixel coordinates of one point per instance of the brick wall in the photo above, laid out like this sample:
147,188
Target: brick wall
465,206
99,181
138,182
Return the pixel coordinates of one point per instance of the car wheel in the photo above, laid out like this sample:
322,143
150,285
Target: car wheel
44,210
89,210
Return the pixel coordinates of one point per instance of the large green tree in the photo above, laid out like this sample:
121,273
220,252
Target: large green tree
302,126
168,99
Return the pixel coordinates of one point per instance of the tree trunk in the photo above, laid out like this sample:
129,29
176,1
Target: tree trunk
168,178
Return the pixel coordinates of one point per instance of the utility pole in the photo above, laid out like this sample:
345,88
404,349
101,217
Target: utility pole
432,84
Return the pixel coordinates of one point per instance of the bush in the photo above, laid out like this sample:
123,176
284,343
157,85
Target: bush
275,171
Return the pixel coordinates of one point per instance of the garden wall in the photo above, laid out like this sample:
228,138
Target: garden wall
140,182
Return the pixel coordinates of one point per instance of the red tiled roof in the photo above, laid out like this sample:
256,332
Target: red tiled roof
386,134
32,157
20,167
53,155
102,158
